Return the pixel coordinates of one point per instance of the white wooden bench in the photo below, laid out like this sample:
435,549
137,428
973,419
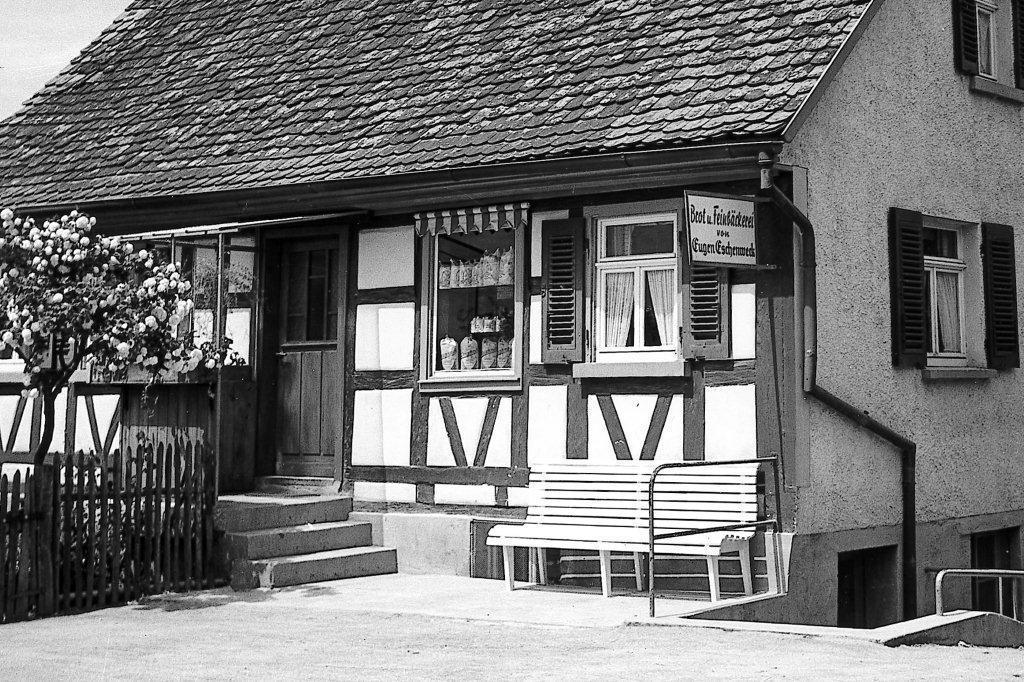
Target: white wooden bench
604,508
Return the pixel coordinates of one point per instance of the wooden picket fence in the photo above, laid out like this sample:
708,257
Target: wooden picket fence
91,531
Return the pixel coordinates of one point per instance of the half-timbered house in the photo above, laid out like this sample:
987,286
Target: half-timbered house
456,240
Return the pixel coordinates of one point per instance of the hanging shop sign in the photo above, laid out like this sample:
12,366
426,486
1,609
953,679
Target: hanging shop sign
720,230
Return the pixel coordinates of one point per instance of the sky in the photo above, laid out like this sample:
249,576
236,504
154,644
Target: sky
38,38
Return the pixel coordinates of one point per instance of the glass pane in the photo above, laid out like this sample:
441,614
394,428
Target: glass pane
240,269
295,296
639,239
659,307
947,303
203,325
316,306
619,301
985,43
237,329
332,294
929,319
475,280
940,243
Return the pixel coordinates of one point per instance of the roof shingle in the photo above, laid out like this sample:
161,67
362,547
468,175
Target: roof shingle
183,96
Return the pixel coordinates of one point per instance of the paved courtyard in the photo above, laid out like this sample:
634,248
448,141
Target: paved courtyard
433,627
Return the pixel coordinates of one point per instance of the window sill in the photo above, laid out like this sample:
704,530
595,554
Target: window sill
605,370
987,86
475,384
958,373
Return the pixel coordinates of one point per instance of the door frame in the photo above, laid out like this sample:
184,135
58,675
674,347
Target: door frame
271,241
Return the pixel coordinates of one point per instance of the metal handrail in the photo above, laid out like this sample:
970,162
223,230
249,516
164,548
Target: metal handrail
652,536
976,573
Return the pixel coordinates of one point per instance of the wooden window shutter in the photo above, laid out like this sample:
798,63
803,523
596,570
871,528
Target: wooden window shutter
965,35
907,282
707,305
1000,277
1018,41
563,252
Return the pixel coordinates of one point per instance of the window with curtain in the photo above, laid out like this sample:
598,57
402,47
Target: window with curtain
636,288
944,295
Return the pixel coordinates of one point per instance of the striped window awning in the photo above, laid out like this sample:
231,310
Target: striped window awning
470,220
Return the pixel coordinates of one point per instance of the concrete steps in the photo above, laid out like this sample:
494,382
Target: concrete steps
297,485
334,564
275,540
304,539
240,513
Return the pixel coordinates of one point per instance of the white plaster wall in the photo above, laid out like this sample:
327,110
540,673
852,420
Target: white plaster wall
519,497
547,423
469,415
742,323
386,258
385,336
381,430
635,412
899,127
105,406
730,422
365,491
536,330
446,493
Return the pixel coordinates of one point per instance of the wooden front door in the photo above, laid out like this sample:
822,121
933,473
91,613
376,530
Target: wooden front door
309,386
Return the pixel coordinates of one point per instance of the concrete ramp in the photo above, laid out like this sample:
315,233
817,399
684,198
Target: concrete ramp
977,628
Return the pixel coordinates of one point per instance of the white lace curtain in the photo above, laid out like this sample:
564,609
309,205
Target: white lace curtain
660,284
618,308
947,300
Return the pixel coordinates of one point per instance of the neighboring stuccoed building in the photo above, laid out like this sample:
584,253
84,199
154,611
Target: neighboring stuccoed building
453,244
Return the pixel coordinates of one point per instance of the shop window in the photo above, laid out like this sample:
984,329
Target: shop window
953,292
473,297
636,288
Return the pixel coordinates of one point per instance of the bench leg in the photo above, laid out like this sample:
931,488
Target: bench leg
713,578
748,578
531,563
639,571
510,575
542,566
606,572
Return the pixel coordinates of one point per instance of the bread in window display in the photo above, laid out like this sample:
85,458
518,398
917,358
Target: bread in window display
505,262
489,324
476,274
476,325
444,276
449,353
466,276
488,353
504,352
489,269
470,356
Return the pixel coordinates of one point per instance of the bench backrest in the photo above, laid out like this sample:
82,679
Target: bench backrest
616,495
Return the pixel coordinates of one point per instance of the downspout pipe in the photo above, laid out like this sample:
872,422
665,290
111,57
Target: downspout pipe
805,293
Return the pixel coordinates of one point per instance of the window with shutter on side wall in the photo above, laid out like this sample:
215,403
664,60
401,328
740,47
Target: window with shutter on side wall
1002,344
965,34
563,252
907,282
707,307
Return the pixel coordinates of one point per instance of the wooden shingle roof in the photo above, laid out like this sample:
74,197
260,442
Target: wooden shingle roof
188,96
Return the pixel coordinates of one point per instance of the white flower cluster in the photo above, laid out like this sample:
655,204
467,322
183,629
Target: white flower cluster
67,288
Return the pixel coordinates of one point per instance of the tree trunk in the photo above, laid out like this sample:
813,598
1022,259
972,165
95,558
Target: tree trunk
46,437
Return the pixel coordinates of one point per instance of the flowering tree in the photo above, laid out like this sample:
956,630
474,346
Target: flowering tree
72,296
